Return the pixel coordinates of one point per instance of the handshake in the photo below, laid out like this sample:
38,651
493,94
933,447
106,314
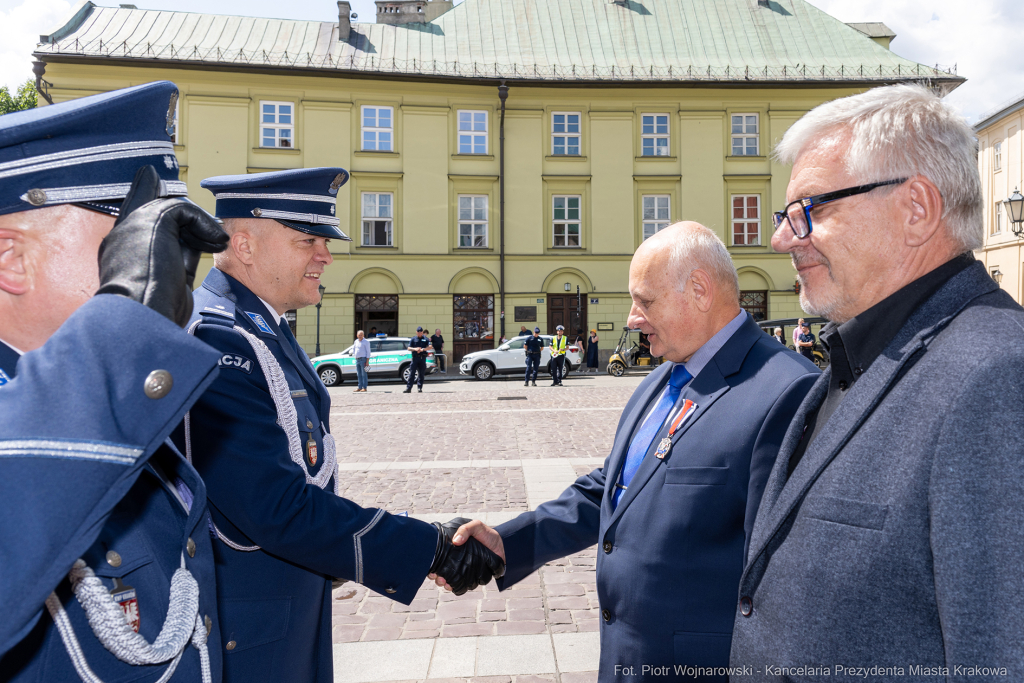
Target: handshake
469,564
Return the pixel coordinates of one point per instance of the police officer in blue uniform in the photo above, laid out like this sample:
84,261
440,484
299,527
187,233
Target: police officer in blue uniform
261,438
418,347
534,347
108,567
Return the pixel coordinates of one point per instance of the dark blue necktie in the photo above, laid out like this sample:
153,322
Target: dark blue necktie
286,332
645,437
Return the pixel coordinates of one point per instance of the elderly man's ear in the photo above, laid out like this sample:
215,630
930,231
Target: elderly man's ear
702,289
14,277
922,205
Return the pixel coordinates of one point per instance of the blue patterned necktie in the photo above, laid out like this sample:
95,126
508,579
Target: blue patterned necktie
645,437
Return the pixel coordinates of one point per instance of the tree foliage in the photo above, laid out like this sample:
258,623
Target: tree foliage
24,99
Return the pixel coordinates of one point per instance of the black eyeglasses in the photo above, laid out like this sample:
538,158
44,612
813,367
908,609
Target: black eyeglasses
798,212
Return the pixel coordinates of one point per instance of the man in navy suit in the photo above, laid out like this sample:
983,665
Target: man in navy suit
673,506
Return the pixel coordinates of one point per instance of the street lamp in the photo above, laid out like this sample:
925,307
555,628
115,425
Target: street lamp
1015,207
318,304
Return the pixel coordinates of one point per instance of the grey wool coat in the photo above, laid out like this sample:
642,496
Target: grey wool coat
898,542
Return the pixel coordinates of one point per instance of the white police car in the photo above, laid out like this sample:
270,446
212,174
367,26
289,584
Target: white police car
510,359
389,357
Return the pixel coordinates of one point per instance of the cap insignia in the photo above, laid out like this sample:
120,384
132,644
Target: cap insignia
338,181
170,114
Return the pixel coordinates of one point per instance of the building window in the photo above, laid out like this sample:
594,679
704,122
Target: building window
744,135
377,219
472,132
755,302
746,220
997,156
276,124
565,134
566,223
378,129
997,224
656,213
472,221
654,135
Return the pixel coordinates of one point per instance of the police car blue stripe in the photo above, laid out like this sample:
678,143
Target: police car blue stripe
66,448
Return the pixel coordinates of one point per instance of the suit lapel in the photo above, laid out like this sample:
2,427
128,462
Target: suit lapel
621,446
857,406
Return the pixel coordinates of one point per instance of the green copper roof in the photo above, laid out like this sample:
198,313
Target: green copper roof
581,40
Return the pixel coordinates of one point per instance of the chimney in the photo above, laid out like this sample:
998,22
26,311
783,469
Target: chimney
344,19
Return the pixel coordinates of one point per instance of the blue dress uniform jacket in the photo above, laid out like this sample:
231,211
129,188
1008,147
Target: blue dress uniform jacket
671,553
275,601
80,447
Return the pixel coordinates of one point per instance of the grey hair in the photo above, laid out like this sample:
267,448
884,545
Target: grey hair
900,131
698,247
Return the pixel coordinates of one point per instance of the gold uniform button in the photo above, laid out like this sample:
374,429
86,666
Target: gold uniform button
231,645
390,590
113,559
191,547
309,424
158,384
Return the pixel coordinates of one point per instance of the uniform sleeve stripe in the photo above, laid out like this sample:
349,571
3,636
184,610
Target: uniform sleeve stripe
73,450
358,539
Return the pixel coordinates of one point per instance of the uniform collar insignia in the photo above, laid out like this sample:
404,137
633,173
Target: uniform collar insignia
260,323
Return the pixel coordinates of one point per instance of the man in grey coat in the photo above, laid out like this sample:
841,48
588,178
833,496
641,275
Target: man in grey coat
889,540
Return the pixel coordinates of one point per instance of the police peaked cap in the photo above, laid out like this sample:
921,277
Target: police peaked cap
304,199
88,150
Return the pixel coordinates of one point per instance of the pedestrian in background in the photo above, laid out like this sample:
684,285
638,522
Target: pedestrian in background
418,346
797,332
437,341
805,343
373,333
523,332
778,336
361,351
534,345
592,352
558,343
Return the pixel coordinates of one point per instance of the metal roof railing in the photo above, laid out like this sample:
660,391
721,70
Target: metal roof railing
455,69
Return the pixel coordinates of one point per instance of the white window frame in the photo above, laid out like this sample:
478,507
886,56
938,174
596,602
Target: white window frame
377,130
745,135
561,227
475,220
277,126
385,212
472,133
733,220
566,135
656,215
997,226
997,156
655,136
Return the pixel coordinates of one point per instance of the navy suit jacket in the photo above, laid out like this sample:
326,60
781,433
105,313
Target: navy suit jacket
275,602
79,445
671,553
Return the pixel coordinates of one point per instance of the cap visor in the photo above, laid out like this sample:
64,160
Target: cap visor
320,230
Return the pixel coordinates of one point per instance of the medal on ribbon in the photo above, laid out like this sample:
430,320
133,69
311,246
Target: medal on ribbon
125,597
684,413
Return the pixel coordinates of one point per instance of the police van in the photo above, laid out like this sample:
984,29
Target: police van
389,357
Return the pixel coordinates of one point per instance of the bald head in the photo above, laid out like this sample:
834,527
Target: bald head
684,289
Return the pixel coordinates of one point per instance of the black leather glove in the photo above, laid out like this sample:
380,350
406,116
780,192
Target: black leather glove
467,566
152,253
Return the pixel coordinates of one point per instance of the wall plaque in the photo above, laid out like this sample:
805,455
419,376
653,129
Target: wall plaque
526,314
606,326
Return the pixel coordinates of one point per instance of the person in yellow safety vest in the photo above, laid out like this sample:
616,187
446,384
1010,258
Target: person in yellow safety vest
558,356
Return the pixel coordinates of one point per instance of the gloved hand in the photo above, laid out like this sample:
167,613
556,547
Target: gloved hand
152,253
467,566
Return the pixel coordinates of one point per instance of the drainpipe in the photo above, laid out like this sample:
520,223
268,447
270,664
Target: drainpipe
502,95
39,68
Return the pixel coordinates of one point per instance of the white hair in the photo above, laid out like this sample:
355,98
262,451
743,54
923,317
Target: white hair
698,247
900,131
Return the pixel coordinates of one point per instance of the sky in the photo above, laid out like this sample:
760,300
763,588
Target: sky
980,37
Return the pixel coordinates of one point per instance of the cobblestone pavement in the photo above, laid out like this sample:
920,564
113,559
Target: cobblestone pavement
437,455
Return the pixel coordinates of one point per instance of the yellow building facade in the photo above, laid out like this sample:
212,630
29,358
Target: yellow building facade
1001,165
593,164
